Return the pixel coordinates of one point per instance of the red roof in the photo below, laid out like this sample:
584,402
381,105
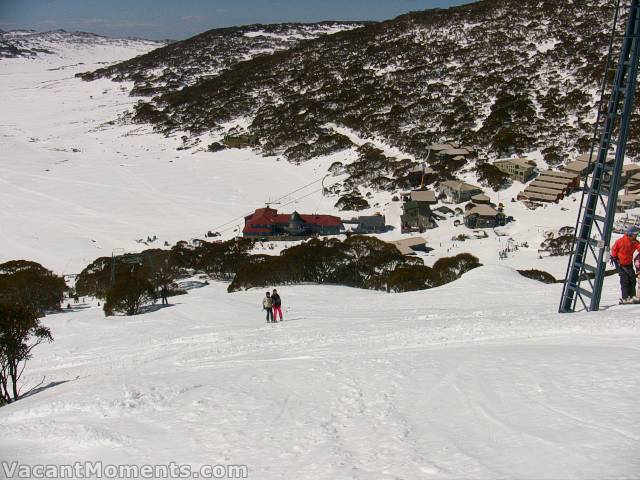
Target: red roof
264,218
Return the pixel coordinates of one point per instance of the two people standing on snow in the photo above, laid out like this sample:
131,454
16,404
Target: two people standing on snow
622,257
272,304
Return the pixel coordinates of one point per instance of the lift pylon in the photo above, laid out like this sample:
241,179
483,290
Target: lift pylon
588,260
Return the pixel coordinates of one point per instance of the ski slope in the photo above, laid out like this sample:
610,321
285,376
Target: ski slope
476,379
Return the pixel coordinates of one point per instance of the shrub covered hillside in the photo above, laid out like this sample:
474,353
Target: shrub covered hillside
505,76
183,63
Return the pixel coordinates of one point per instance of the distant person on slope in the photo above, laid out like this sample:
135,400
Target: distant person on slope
277,305
267,304
622,257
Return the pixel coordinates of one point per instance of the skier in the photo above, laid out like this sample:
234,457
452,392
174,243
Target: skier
622,257
277,305
163,295
267,304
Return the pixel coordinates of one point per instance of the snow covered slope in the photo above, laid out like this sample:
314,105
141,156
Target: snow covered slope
63,44
477,379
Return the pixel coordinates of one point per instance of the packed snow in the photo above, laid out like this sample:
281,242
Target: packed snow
477,379
480,378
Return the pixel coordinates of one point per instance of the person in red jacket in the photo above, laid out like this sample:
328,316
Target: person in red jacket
622,257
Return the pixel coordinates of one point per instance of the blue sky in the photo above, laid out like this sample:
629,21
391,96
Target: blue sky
178,19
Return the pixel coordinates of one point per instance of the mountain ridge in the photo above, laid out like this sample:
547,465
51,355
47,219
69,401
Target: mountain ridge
505,77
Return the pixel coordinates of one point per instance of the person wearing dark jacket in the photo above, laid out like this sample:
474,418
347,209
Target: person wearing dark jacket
622,257
277,305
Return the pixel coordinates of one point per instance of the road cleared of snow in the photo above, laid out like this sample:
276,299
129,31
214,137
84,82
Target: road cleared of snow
476,379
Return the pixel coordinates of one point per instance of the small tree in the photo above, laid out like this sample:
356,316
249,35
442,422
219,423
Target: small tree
29,283
20,333
129,293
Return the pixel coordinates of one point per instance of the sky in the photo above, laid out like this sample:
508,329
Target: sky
179,19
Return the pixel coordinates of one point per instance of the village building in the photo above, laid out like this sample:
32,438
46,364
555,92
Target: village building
450,150
421,175
443,211
455,152
551,186
439,147
409,246
417,215
370,224
484,216
458,191
520,169
577,167
267,222
633,183
627,202
629,171
481,199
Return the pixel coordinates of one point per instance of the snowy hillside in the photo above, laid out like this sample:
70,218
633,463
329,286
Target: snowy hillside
504,76
478,379
62,44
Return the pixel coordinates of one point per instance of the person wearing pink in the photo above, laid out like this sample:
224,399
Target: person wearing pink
636,263
277,305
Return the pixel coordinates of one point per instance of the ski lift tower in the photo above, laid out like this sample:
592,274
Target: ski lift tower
588,260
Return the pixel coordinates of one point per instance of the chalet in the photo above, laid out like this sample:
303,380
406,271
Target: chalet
633,183
455,152
629,171
409,246
458,191
370,224
421,175
626,202
577,167
551,186
484,216
267,222
481,199
521,169
436,148
417,215
443,211
426,196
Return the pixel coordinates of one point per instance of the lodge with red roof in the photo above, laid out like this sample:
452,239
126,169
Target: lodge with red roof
267,222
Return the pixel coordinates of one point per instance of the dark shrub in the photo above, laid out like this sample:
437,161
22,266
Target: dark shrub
448,269
492,176
538,275
31,284
130,292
